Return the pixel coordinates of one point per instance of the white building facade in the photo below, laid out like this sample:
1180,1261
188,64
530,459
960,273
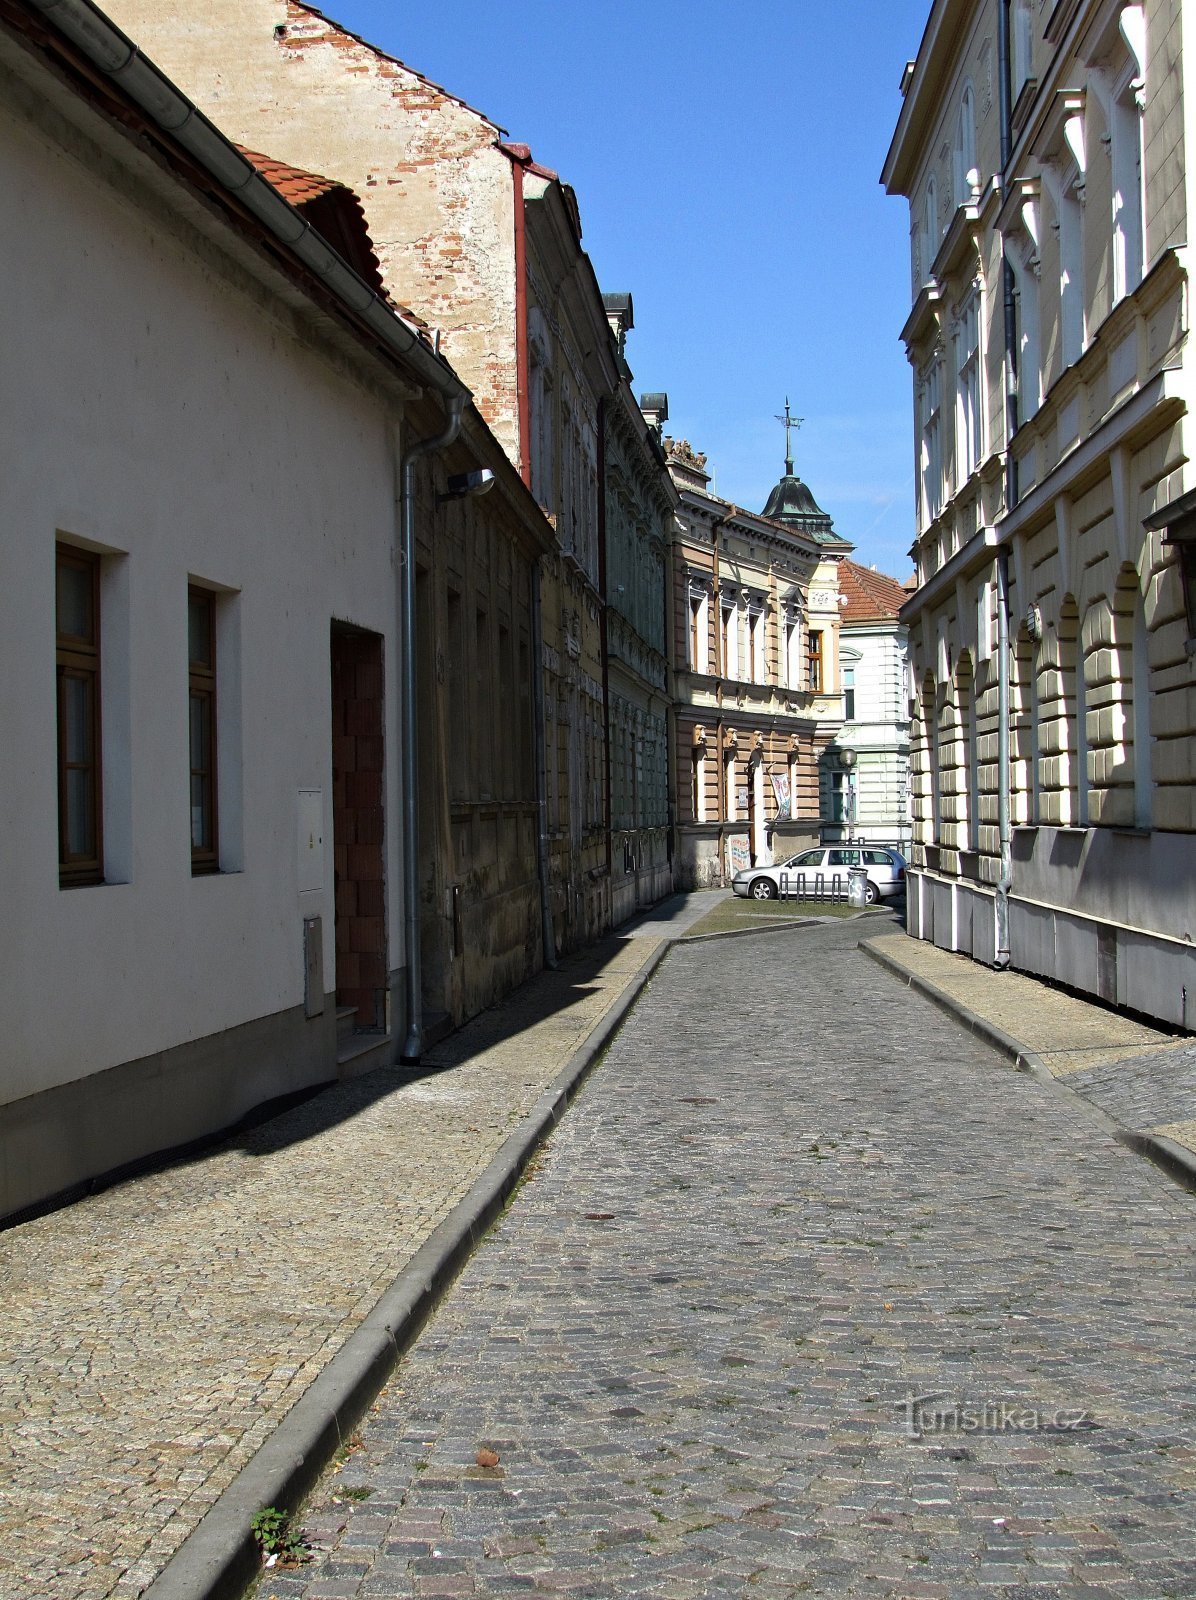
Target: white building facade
1042,150
198,631
869,792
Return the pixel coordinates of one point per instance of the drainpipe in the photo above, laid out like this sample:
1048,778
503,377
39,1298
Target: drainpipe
1005,882
455,405
1010,300
547,936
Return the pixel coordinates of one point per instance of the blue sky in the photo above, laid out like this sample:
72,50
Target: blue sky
726,159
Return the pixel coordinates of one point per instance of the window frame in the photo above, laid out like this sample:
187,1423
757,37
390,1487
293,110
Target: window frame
202,687
814,660
78,657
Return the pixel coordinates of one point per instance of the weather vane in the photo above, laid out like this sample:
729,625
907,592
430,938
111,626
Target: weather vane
791,425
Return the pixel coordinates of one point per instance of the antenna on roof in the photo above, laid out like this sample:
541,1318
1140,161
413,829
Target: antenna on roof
791,426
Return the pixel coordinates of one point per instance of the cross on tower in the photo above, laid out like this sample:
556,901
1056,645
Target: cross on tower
791,425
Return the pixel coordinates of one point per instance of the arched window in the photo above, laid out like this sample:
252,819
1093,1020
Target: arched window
964,158
930,227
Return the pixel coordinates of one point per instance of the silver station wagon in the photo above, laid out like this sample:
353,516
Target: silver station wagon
823,872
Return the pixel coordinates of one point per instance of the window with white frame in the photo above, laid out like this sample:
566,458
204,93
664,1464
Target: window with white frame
1071,268
1126,155
967,401
1023,45
756,668
964,154
931,464
1027,341
930,227
730,639
699,611
793,678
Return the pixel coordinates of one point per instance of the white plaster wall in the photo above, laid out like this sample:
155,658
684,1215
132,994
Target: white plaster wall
155,408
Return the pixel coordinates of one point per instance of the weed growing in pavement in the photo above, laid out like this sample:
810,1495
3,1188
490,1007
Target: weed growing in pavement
353,1491
278,1538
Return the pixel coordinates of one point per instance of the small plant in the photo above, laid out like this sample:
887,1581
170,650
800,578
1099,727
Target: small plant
278,1538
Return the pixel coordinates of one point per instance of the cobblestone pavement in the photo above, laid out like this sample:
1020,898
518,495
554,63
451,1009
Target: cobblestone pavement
793,1195
152,1336
1142,1078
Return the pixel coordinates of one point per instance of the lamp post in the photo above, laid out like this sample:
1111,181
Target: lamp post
847,763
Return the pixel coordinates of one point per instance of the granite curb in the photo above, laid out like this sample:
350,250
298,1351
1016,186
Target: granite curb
1171,1157
219,1559
1024,1060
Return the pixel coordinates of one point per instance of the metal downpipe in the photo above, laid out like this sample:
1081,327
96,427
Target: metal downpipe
1005,881
413,1047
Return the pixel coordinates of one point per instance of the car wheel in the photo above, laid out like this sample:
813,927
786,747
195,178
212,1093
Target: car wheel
763,890
871,893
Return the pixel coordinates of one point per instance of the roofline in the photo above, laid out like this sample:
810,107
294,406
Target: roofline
304,5
136,77
940,40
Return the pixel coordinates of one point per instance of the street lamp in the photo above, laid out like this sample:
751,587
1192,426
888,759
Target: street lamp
847,763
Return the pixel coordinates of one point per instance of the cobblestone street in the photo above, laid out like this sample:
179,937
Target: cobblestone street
693,1339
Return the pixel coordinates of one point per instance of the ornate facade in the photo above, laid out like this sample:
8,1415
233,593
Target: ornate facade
1042,151
755,671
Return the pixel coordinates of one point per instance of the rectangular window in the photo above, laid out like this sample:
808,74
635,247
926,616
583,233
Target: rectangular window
932,446
77,606
201,687
758,666
967,347
695,633
815,661
849,693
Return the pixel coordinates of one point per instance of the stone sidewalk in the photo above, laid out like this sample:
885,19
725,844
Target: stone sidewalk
154,1336
1144,1080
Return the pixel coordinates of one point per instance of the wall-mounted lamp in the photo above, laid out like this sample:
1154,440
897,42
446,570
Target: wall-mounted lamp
461,484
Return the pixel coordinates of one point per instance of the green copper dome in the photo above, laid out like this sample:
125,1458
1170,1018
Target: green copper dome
792,503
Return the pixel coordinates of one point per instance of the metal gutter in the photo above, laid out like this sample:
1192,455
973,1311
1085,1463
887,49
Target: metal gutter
119,59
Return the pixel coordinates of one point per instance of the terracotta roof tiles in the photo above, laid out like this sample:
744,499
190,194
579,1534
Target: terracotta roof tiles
870,596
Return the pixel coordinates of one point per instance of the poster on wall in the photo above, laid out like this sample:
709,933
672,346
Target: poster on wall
780,788
739,855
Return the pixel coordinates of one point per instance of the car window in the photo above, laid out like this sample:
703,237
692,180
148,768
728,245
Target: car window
808,858
877,858
844,858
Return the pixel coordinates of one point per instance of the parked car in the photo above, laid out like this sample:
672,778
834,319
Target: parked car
824,871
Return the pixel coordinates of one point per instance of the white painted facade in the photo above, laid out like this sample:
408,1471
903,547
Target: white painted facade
873,668
176,404
1055,832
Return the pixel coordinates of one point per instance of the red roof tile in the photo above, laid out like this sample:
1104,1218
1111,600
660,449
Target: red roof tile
870,596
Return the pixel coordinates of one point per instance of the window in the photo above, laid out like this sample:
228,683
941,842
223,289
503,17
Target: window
843,858
77,607
201,686
814,661
695,632
964,163
756,667
1071,269
1027,342
1023,46
792,653
840,796
1126,154
932,445
967,363
730,639
930,229
849,694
